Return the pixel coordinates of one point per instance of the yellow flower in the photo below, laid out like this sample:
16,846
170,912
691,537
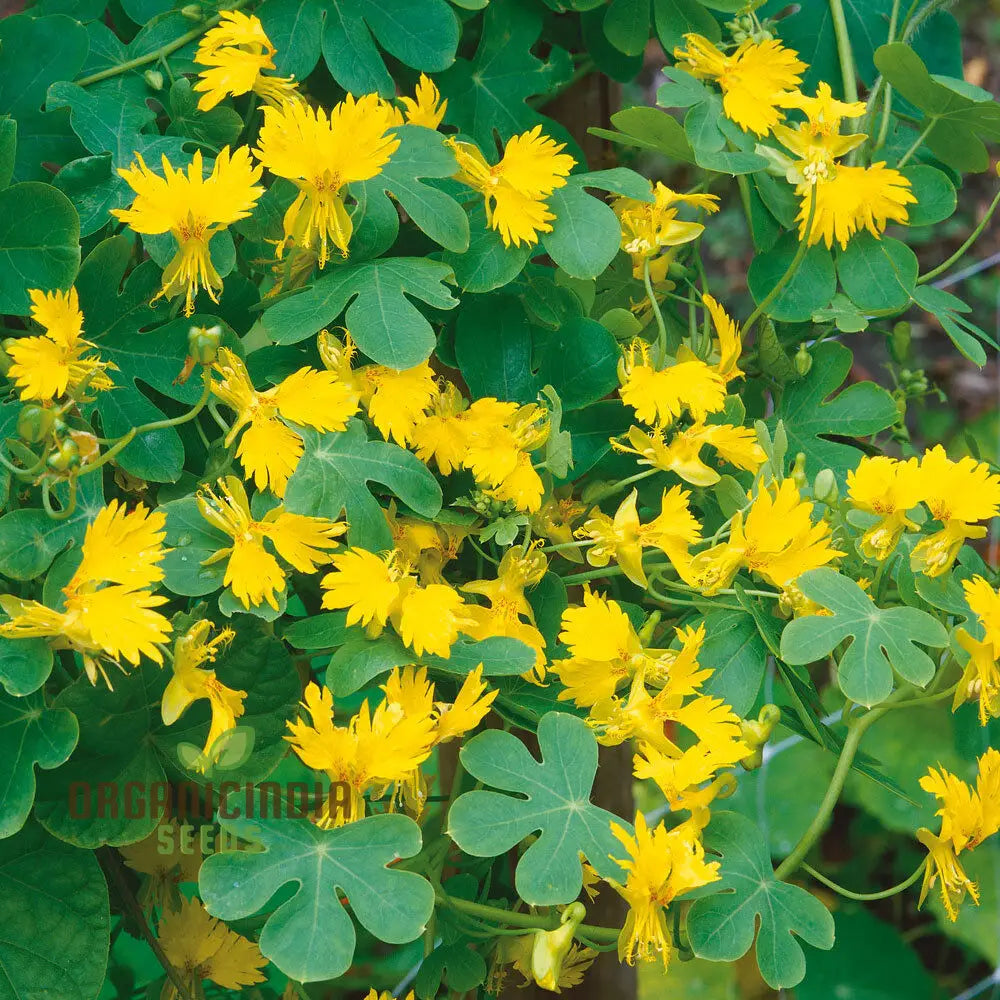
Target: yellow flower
660,396
269,449
429,619
322,153
252,570
166,869
375,749
968,817
555,520
470,707
824,113
237,51
48,366
623,539
649,226
193,209
441,434
661,865
396,400
889,488
509,613
425,107
190,683
981,677
956,493
755,79
854,198
200,947
107,614
776,539
730,339
515,189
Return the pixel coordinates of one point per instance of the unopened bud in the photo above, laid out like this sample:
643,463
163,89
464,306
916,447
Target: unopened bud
154,79
203,343
803,360
65,457
799,471
675,270
550,948
756,732
193,12
34,422
899,342
648,627
825,487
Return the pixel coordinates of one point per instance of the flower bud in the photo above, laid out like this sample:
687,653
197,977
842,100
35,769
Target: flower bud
193,12
203,343
803,360
550,948
65,457
675,270
825,487
154,79
799,471
34,422
756,733
649,627
899,342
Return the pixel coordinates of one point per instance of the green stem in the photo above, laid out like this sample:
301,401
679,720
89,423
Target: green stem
855,732
67,511
917,143
864,897
613,488
661,327
157,54
963,249
792,267
593,574
532,921
844,52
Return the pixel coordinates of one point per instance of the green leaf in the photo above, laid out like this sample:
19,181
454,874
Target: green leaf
493,345
384,323
676,18
191,540
883,640
487,264
976,926
626,24
555,804
961,116
681,90
218,127
810,415
878,274
333,476
950,310
490,91
579,360
38,51
25,664
935,194
810,289
842,312
649,128
591,430
30,539
361,660
93,189
460,966
736,650
8,150
422,153
310,936
585,234
56,919
30,735
721,926
870,960
295,28
325,630
39,243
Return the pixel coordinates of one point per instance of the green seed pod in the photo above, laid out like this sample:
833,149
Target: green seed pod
803,360
34,422
203,343
65,457
825,487
154,79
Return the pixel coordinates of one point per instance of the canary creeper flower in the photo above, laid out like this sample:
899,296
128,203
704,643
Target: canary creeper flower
515,189
730,339
236,52
755,79
425,108
252,569
660,396
623,538
269,449
191,683
200,947
980,680
957,494
321,153
377,748
440,435
660,865
166,869
46,367
396,400
968,817
108,612
888,488
192,208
